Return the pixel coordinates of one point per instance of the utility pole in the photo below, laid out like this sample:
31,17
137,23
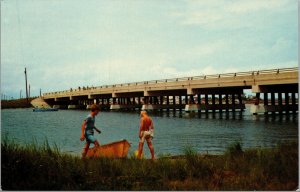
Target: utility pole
29,91
26,84
40,92
20,93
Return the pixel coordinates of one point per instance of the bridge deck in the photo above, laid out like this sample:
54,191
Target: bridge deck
186,85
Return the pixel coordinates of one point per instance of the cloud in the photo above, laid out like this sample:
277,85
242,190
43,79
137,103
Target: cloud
278,65
114,72
65,44
202,18
207,49
280,45
172,72
243,7
230,14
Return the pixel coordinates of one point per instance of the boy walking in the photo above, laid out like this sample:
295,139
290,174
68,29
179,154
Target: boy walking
87,130
146,133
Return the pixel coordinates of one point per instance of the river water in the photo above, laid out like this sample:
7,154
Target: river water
173,131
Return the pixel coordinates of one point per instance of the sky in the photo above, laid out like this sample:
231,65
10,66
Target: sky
69,43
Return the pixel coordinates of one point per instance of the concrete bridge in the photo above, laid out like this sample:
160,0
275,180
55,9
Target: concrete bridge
276,91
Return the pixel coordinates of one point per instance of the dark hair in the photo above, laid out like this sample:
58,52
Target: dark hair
95,107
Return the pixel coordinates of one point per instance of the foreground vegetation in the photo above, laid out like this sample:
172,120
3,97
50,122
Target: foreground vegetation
45,168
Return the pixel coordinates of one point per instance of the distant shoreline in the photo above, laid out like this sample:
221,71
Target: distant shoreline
17,103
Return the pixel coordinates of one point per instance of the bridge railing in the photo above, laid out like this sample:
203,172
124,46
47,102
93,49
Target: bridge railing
181,79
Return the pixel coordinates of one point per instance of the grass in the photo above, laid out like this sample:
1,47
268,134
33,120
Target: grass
33,167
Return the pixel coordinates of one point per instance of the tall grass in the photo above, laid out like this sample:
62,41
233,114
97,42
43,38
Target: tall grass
33,167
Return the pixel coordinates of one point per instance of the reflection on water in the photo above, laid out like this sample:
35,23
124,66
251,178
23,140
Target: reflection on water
174,130
238,115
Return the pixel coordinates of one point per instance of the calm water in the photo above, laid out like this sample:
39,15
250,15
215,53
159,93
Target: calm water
173,132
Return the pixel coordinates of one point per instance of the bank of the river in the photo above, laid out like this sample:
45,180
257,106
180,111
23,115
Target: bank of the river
44,168
17,103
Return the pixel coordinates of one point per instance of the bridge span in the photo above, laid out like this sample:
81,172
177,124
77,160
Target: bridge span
276,91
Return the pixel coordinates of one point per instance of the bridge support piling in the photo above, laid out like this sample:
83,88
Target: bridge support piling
180,102
161,102
233,102
220,103
240,101
273,103
199,103
116,103
191,106
266,102
256,107
146,100
280,102
227,102
286,102
168,102
294,102
174,103
206,103
72,106
60,106
150,100
213,100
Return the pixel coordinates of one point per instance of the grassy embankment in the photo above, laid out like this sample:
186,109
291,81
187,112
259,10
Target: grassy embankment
44,168
17,103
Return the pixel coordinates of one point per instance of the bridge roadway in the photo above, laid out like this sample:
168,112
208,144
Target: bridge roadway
279,88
